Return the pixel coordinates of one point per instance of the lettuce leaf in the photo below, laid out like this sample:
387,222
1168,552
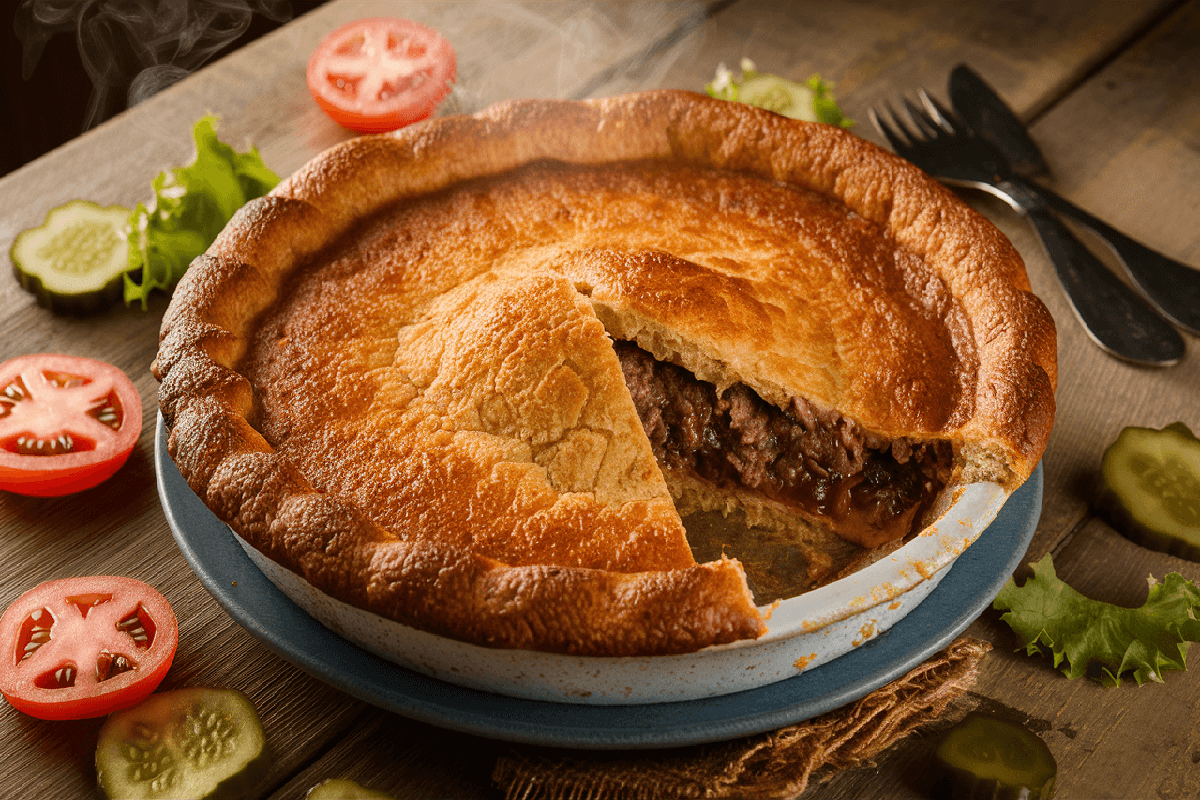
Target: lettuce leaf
1081,632
824,106
191,205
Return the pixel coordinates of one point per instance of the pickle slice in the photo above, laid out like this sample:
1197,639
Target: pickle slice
780,95
193,743
76,260
988,756
344,789
1151,488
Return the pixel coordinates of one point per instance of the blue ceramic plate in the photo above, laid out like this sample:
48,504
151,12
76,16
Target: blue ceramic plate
227,572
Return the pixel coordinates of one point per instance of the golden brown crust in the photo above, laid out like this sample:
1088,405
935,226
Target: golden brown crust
491,480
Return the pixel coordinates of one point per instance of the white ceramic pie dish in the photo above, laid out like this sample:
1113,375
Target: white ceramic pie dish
803,632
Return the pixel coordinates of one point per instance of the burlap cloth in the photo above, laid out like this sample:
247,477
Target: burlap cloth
770,765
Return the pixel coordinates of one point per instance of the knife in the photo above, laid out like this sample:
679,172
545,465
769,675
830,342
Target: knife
978,105
1171,286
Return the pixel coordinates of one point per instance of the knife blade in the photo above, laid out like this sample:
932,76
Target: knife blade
982,108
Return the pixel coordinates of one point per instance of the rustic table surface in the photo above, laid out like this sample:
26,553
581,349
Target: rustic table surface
1112,92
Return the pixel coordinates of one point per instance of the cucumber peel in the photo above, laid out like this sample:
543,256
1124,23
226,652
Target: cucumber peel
1151,488
194,743
76,260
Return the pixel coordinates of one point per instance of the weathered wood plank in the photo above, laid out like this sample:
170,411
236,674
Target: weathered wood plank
1123,145
1108,742
261,97
407,759
1009,675
874,51
1032,52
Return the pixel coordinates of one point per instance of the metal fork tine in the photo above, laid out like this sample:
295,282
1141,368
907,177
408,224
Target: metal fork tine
944,116
897,124
936,140
920,118
898,141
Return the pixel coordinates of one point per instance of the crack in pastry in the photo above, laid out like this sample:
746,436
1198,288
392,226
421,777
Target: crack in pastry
396,376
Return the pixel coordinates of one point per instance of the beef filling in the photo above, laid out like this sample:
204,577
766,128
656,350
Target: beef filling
871,489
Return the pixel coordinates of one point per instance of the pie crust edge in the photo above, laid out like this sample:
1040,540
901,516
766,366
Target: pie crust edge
206,401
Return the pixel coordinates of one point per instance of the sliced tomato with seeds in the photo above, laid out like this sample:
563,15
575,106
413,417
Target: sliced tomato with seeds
380,74
78,648
66,423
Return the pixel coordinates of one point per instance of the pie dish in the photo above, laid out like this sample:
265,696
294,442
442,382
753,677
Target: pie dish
471,376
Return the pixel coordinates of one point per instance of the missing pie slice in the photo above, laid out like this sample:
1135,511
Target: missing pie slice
472,376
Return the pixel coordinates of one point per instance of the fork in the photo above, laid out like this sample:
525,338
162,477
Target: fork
1118,320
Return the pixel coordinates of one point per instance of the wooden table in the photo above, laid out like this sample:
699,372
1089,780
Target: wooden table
1113,95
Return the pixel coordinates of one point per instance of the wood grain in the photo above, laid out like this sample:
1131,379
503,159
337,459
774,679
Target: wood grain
407,759
1115,100
1122,145
1129,129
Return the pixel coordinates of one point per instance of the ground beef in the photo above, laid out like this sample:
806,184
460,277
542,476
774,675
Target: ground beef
804,457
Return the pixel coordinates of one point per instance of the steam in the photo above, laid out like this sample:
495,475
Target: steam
136,48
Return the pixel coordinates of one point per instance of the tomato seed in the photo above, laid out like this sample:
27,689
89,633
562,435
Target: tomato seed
15,391
64,677
109,666
30,445
64,380
107,411
36,632
133,626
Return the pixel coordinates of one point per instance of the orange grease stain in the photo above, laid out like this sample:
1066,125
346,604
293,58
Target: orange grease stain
867,632
804,661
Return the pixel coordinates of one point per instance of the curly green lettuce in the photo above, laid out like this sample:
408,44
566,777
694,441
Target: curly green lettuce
811,101
1080,632
191,205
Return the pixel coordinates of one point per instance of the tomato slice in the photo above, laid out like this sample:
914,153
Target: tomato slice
66,423
379,74
83,647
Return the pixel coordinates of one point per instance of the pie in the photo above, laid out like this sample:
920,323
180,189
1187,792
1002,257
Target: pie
472,375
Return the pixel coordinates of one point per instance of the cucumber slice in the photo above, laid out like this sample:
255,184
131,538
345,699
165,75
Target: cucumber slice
193,743
1151,488
75,261
780,95
343,789
989,756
